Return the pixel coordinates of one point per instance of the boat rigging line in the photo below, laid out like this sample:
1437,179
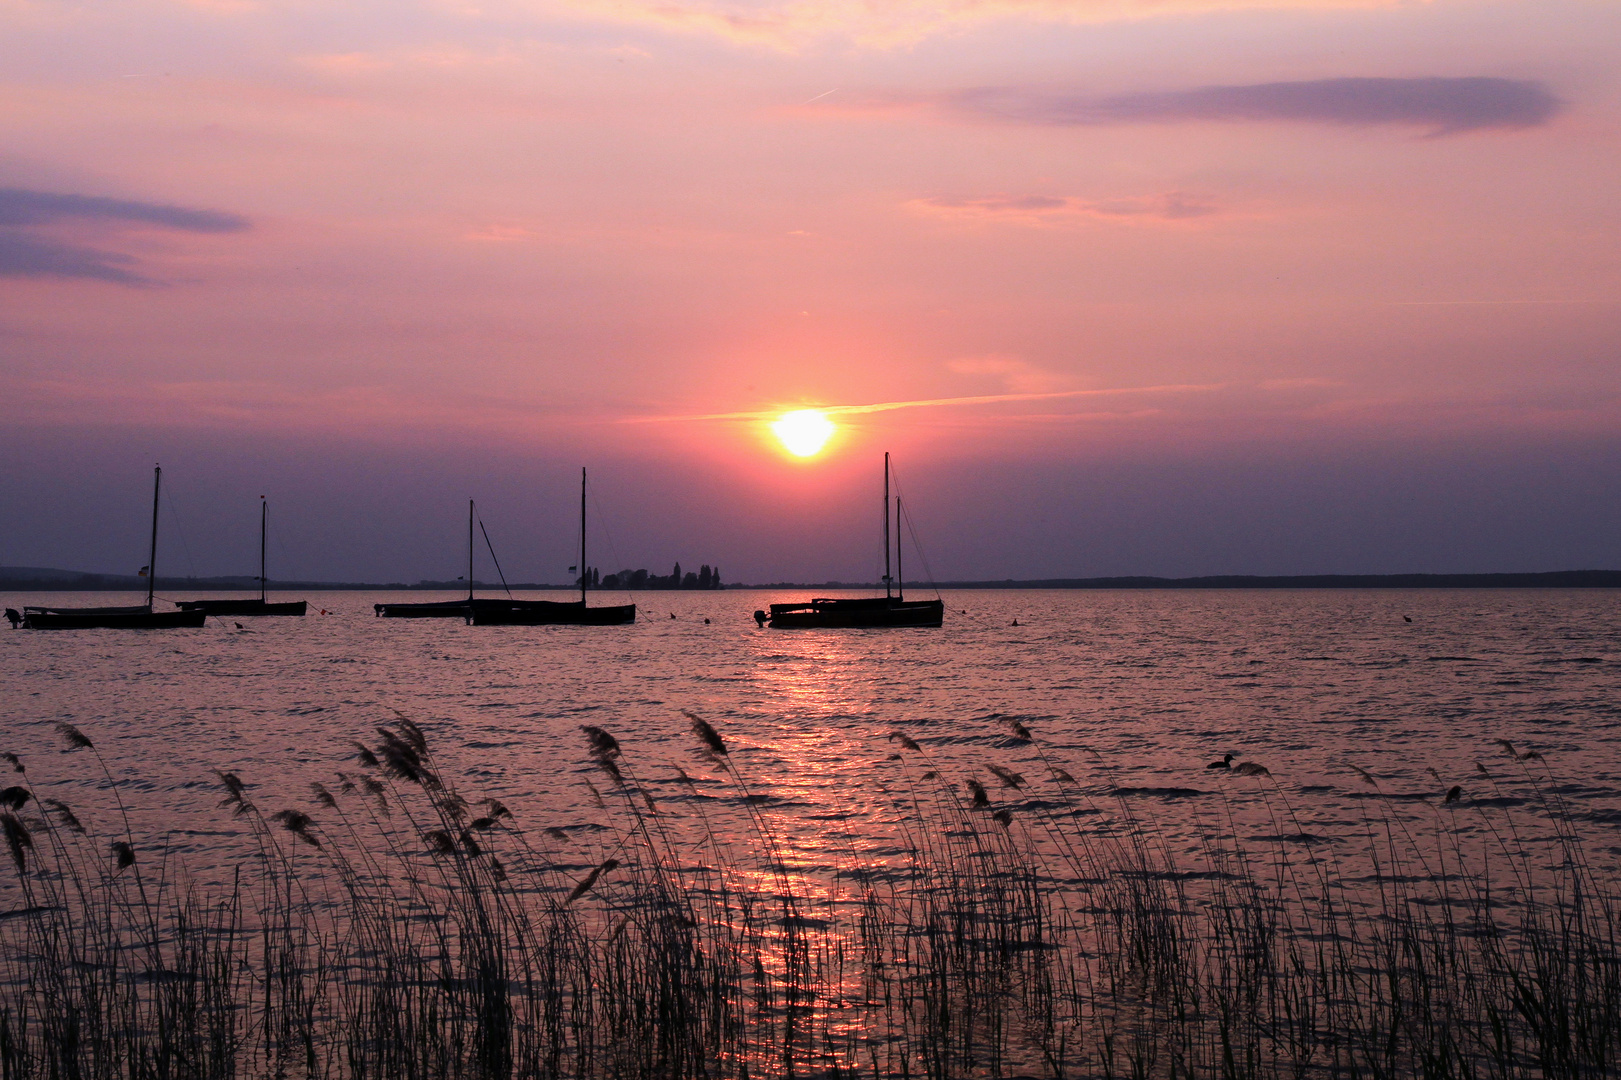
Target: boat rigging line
911,529
493,559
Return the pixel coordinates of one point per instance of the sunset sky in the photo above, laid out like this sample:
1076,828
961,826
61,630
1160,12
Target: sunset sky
1146,287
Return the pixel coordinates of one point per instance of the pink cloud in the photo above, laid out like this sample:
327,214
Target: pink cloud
1170,206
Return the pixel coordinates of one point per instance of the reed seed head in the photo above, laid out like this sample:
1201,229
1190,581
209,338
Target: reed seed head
235,793
323,796
12,798
603,745
18,838
298,823
14,761
439,842
67,816
123,856
1008,777
977,790
706,734
76,739
905,740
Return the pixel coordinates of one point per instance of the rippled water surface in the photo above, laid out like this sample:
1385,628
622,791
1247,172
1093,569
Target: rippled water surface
1127,690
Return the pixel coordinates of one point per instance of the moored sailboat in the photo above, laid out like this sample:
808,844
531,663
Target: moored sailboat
249,606
131,617
437,609
555,612
890,610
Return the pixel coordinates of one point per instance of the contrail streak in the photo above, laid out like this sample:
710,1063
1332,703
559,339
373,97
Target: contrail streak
927,403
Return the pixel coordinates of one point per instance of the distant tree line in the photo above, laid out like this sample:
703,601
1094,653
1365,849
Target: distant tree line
707,577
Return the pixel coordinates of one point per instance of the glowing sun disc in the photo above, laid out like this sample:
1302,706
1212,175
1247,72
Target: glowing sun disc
803,432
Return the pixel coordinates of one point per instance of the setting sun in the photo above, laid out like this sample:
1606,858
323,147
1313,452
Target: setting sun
803,432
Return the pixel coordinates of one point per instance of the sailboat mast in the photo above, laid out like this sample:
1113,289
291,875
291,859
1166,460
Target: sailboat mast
886,524
469,550
585,575
152,552
900,576
264,517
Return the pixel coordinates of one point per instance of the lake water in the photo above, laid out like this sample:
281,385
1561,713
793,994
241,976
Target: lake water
1133,690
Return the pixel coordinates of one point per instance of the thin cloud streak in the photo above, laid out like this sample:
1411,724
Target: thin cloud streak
1447,106
24,252
21,207
928,403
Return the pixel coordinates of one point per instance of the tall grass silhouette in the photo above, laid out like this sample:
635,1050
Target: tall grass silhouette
389,925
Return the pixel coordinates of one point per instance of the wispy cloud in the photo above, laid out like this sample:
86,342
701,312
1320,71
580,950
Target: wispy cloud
1167,206
1444,105
789,24
25,256
934,403
28,249
1017,374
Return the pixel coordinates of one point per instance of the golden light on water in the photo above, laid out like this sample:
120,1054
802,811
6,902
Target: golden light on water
803,432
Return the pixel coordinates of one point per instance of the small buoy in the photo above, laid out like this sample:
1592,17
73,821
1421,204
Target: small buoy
706,622
1015,622
239,626
1406,618
672,614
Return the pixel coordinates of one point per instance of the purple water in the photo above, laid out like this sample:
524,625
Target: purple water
1134,690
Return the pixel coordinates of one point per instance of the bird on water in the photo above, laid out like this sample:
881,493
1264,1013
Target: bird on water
1226,762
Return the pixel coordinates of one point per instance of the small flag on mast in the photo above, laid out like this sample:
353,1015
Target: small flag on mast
572,570
144,569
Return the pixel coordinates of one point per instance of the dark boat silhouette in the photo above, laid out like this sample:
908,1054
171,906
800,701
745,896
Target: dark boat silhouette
554,612
890,610
249,605
132,617
440,609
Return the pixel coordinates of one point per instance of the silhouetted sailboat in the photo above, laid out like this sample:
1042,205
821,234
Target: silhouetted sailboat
249,606
863,611
437,609
555,612
135,617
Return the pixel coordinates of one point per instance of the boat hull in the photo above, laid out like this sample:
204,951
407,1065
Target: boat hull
111,619
865,612
444,609
471,610
554,613
244,607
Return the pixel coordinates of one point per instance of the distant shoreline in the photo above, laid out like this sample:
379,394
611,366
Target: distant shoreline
70,581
